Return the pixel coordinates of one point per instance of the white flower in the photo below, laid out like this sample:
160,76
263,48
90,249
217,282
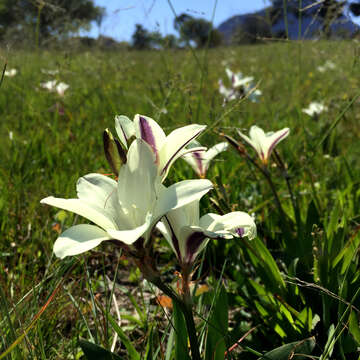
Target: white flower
315,108
61,88
53,85
166,148
264,143
125,210
11,135
187,233
329,65
10,72
49,72
237,79
240,87
49,85
200,160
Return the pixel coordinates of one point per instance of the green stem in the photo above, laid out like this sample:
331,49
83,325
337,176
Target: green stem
186,309
286,176
267,176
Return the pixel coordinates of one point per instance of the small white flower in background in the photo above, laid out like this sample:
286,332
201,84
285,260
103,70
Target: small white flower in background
240,87
166,148
187,233
49,85
253,94
61,88
237,79
11,135
315,108
54,86
262,142
125,210
200,160
329,65
49,72
10,72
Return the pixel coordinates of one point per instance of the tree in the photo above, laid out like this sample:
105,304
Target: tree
141,38
354,8
169,42
47,18
253,30
198,30
330,11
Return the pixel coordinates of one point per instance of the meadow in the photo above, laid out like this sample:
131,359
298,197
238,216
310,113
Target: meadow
294,287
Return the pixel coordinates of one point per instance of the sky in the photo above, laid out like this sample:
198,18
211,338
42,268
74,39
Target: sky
122,15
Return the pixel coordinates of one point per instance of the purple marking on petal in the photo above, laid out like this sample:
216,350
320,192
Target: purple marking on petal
124,133
178,150
199,162
240,231
174,239
193,242
148,136
275,142
262,156
233,79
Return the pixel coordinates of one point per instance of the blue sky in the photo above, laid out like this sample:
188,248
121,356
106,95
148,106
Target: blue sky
122,15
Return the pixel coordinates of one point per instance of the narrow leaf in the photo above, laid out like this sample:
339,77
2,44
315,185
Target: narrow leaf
133,354
96,352
181,348
290,351
217,328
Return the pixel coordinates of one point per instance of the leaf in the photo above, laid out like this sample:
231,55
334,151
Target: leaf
354,327
133,354
266,266
348,252
96,352
287,351
330,343
150,346
217,328
169,345
181,348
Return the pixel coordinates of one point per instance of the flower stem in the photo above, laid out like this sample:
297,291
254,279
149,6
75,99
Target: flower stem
186,308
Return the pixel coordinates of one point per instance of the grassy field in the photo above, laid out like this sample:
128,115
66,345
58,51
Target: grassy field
297,280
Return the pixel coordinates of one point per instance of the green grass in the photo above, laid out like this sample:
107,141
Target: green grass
49,152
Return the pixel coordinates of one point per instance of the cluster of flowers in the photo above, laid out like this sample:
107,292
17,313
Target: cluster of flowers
10,72
54,85
51,85
315,108
129,209
329,65
241,87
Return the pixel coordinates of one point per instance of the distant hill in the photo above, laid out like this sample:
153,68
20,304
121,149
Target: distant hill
270,22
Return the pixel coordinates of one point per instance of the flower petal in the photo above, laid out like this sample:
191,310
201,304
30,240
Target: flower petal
89,211
195,239
125,129
95,188
195,160
180,194
131,235
136,184
249,141
274,139
212,152
230,223
175,143
78,239
150,131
